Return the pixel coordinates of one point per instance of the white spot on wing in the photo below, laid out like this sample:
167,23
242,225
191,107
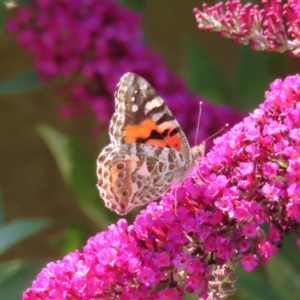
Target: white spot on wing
168,125
148,107
156,102
132,99
134,108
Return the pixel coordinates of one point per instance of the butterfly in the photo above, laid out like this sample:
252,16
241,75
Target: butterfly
148,151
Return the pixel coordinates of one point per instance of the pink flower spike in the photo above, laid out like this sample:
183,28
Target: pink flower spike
96,42
273,27
175,243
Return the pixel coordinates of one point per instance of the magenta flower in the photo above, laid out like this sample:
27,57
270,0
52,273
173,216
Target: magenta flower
182,260
94,43
250,230
164,246
249,262
275,27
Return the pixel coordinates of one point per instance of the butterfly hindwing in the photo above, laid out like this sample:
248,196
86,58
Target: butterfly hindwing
136,174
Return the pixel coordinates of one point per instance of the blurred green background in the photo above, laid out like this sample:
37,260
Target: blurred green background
50,204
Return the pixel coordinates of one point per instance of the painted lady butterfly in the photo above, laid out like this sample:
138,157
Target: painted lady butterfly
148,150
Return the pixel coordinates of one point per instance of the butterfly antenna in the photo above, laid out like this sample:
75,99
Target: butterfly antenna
216,133
198,122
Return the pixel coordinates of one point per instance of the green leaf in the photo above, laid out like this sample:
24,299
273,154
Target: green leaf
2,15
202,75
252,78
20,2
1,210
252,285
290,251
190,297
73,237
284,277
84,185
16,276
137,5
16,231
59,146
79,172
20,83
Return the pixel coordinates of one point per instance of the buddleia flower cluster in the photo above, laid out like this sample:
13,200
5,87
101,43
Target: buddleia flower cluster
93,43
233,209
273,27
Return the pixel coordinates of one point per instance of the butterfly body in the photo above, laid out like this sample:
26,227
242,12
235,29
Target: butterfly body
148,151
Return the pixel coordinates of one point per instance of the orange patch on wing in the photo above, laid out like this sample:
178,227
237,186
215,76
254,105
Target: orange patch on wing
114,171
173,141
130,140
143,131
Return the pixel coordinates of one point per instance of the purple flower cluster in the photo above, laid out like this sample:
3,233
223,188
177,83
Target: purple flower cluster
94,43
249,179
275,27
